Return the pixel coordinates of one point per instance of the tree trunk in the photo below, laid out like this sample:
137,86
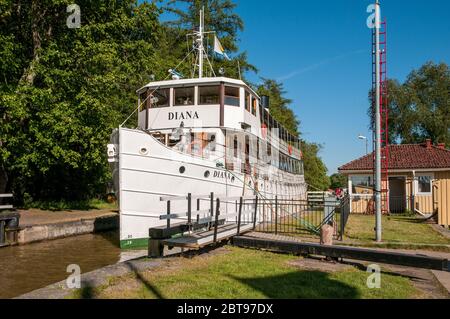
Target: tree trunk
3,180
30,72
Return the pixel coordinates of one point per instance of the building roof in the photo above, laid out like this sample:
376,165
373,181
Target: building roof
404,157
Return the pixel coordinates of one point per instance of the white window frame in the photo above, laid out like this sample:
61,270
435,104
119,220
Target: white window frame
350,184
416,182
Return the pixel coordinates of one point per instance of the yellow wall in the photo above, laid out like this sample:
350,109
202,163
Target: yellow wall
362,205
439,201
442,197
423,203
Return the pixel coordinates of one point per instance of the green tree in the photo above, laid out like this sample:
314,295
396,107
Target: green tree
338,181
220,18
64,90
315,169
419,109
279,104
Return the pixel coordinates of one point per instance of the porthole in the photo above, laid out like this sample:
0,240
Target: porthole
182,170
143,151
207,174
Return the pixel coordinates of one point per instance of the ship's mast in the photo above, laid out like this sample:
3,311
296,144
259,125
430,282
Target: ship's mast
200,46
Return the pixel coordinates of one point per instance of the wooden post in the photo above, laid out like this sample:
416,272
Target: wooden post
256,213
239,217
216,224
155,248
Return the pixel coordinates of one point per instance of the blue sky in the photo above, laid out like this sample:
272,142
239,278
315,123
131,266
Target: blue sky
321,51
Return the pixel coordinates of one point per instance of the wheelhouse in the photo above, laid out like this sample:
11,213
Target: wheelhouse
218,119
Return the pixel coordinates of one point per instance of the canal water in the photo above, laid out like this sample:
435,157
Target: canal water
30,267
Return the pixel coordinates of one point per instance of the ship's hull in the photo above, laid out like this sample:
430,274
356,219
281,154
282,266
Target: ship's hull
146,170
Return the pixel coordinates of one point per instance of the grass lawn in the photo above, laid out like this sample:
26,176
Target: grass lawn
238,273
396,229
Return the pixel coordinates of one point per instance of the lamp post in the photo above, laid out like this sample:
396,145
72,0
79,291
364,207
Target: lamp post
364,138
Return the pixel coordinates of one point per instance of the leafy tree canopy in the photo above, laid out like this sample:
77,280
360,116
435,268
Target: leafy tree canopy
220,18
64,90
279,104
419,108
338,181
315,169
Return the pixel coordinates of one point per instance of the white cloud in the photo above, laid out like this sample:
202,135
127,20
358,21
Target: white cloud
318,65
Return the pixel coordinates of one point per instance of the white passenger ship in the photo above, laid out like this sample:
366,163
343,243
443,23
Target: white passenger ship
200,135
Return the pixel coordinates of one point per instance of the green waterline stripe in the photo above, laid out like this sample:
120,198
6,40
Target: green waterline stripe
134,243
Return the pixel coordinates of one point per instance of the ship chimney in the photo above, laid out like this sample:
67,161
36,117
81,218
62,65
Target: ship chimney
441,146
429,144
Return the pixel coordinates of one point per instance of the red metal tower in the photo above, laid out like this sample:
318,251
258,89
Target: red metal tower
384,110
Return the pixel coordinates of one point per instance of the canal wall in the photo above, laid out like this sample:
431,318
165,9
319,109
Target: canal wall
36,233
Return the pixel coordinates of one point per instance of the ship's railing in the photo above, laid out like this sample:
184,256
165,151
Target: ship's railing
283,146
255,213
259,166
219,212
220,221
3,199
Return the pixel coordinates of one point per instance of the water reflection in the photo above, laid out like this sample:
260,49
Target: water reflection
30,267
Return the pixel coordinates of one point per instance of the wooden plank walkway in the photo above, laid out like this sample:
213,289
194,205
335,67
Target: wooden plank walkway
205,238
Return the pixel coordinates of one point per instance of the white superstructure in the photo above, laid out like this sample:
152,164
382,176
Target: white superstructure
202,135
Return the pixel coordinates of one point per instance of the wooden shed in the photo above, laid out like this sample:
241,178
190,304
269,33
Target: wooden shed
419,181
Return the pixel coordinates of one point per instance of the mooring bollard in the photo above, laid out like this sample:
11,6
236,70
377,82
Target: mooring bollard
326,234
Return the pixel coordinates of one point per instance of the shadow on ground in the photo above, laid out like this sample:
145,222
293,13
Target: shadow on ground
158,294
301,285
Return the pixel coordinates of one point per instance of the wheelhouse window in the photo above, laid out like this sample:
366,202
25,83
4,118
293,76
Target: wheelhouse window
209,95
424,184
235,147
254,105
362,184
184,96
247,101
232,96
142,101
159,98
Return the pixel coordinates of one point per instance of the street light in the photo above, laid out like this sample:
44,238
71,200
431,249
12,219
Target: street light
364,138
